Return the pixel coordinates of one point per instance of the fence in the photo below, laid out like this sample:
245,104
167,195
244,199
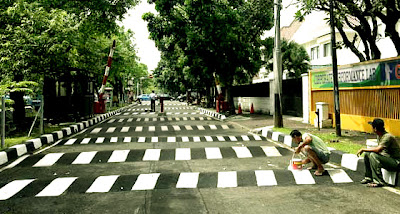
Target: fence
366,90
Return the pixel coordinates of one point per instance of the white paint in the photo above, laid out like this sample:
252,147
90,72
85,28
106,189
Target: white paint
48,160
95,130
84,157
142,139
303,176
125,129
196,139
208,138
188,180
57,187
70,141
245,138
100,140
339,176
152,155
103,184
256,137
120,120
154,139
139,129
12,188
176,128
152,128
200,127
146,181
85,141
182,154
213,127
220,138
111,121
271,151
162,119
225,126
171,139
3,158
118,156
265,178
275,136
127,139
232,138
213,153
21,149
349,161
187,127
164,128
114,139
242,152
185,139
201,118
227,179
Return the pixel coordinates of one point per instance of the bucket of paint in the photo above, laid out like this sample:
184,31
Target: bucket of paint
296,163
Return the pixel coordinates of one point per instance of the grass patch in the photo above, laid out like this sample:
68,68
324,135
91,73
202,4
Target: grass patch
14,141
344,144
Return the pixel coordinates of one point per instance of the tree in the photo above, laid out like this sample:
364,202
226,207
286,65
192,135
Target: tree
295,59
362,17
216,37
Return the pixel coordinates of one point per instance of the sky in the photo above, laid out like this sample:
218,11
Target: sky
146,49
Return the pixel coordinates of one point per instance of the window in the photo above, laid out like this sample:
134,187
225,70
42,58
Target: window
314,53
327,49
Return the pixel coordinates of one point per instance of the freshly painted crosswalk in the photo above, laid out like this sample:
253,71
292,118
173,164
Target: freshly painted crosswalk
163,128
182,180
117,156
158,119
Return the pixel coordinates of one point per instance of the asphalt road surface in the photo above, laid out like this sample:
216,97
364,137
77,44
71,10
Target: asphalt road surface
179,161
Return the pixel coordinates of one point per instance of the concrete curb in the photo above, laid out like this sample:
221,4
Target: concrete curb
16,151
212,113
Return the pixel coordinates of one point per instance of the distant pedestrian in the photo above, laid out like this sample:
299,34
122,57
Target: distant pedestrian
386,155
314,148
153,101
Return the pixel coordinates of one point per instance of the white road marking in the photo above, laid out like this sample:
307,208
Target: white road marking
152,155
339,176
48,160
171,139
188,180
96,130
102,184
200,127
225,126
164,128
220,138
233,138
227,179
196,139
125,129
114,139
242,152
303,176
182,154
127,139
118,156
84,157
110,130
152,128
12,188
85,141
139,128
265,178
142,139
256,137
208,138
57,187
213,127
185,139
187,127
245,138
271,151
100,140
70,141
213,153
176,128
146,181
154,139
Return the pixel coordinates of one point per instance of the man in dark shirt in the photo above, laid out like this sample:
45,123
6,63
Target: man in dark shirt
386,155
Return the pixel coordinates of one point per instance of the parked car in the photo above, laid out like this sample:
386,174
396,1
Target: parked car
144,97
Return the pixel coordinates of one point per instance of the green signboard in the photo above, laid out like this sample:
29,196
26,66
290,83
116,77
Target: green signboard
374,74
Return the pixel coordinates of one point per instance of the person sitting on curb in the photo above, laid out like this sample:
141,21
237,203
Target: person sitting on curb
314,148
386,155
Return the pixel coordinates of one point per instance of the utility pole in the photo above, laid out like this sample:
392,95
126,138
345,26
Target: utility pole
3,121
278,121
335,71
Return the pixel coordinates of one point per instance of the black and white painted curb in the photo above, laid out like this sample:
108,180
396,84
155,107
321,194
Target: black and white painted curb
212,113
16,151
349,161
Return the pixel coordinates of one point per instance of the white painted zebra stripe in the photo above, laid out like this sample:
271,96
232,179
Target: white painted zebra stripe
138,120
84,158
192,118
233,138
242,152
70,141
185,139
57,187
162,119
182,154
142,139
164,128
13,188
114,139
208,138
339,176
127,139
256,137
176,128
196,139
152,128
245,138
271,151
200,127
220,138
146,181
146,119
3,157
201,118
177,119
213,153
213,127
96,130
225,126
125,129
155,119
265,178
102,184
154,139
130,119
48,160
303,177
188,180
111,121
171,139
227,179
120,120
118,156
85,141
187,127
100,140
169,118
135,113
185,118
152,155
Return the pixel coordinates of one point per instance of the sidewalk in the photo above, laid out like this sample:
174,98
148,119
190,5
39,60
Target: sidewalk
263,124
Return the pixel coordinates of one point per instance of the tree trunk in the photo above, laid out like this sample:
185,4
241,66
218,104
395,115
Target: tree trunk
229,97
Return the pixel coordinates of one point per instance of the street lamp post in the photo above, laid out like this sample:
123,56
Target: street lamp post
278,121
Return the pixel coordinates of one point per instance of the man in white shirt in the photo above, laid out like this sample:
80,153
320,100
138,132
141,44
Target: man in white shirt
153,101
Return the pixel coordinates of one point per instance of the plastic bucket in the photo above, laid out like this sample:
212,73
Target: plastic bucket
296,164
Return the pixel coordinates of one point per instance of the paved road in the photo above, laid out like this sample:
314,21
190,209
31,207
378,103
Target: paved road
179,161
